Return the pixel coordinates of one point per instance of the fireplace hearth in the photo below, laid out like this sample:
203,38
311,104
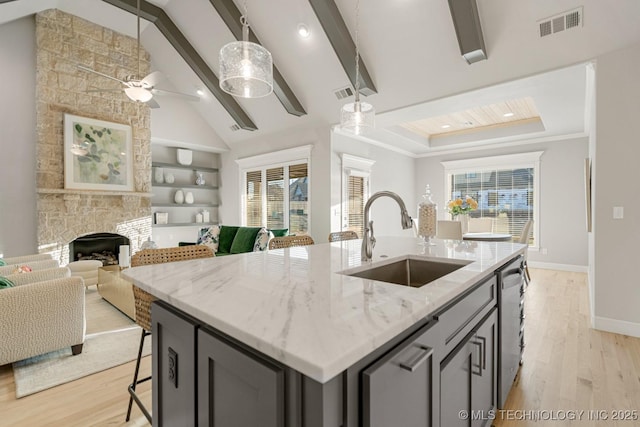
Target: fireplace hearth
103,247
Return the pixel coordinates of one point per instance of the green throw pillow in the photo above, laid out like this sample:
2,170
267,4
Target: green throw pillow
244,240
5,283
2,263
280,232
226,238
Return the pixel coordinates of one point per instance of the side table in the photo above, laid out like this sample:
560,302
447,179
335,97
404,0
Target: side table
116,290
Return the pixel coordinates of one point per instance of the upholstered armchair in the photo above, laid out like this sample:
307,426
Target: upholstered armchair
25,259
44,311
34,265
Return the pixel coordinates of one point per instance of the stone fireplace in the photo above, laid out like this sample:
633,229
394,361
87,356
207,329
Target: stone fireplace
63,41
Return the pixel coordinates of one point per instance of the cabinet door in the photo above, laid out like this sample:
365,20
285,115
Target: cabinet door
484,384
398,389
174,341
468,380
235,387
455,385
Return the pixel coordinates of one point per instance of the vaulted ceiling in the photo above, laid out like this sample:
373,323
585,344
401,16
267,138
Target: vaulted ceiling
409,49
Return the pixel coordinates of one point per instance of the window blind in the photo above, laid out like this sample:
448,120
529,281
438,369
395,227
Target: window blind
275,198
254,198
355,203
298,198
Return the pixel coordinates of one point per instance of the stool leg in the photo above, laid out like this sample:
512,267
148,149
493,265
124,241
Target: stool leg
135,374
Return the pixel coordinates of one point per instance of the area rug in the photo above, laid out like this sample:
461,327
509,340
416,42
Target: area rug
112,339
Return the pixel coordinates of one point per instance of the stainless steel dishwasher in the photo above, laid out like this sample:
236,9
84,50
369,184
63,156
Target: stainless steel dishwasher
510,325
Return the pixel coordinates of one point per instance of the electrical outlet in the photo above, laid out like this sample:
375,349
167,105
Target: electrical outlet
173,367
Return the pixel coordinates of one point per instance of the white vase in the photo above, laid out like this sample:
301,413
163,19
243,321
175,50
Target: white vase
169,178
188,198
158,175
179,197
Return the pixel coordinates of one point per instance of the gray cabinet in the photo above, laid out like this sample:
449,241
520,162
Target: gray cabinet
235,388
173,367
468,379
398,389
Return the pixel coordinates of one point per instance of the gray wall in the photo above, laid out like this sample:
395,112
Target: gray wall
616,183
562,203
392,171
18,138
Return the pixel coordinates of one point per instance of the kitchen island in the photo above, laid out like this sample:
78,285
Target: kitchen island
300,343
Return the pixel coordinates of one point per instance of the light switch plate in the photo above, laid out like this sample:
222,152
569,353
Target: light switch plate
618,212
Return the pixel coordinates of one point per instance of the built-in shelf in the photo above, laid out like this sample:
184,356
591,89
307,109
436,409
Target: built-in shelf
174,185
185,224
184,205
188,167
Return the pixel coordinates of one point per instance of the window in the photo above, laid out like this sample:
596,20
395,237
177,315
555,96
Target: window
356,172
276,195
506,188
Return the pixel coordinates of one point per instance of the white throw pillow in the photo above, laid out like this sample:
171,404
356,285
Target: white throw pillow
262,240
209,236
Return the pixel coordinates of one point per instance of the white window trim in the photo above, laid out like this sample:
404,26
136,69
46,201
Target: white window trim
281,158
511,161
353,166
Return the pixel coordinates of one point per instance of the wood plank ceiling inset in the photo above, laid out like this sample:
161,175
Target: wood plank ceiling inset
487,116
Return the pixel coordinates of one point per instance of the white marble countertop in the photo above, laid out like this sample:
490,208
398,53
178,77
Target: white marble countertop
294,306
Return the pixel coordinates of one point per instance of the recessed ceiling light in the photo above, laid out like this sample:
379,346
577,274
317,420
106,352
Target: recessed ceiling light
508,115
445,126
200,92
303,31
468,123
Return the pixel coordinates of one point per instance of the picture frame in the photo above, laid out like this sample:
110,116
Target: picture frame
98,155
162,217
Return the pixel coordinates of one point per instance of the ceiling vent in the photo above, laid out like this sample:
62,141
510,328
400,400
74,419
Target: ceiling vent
343,93
564,21
467,25
234,128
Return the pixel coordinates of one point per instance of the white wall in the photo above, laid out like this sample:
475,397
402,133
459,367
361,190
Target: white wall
18,223
562,217
392,171
319,175
617,148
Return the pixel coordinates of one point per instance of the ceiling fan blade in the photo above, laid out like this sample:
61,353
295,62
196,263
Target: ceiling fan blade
103,90
100,74
153,78
152,103
175,94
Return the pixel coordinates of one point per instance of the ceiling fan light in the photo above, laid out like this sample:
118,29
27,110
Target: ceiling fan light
246,70
138,94
357,117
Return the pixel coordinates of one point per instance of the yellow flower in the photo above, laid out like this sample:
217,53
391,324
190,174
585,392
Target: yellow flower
458,202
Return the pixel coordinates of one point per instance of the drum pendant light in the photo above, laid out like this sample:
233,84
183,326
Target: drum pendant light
246,68
357,116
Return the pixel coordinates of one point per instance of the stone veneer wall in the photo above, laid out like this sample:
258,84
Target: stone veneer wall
63,41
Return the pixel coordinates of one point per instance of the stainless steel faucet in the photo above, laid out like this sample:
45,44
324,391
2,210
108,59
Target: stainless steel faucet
368,241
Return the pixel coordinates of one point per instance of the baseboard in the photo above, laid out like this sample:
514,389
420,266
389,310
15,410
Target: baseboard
561,267
617,326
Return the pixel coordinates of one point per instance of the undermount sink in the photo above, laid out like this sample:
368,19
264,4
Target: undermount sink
412,272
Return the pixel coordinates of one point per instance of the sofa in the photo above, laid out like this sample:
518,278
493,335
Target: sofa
230,239
42,311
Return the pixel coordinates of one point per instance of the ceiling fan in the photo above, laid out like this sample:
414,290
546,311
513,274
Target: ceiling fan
136,88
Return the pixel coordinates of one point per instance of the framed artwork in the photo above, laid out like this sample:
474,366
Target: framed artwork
98,155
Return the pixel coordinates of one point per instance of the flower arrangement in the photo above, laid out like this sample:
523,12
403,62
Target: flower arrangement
461,206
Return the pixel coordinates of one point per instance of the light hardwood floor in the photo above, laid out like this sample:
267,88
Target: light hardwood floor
567,366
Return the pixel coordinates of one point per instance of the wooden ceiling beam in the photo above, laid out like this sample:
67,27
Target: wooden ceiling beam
174,36
230,14
343,45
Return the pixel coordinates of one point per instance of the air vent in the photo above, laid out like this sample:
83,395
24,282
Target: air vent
561,22
343,93
234,127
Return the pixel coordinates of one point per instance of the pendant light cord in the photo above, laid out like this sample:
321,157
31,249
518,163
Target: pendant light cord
357,99
138,10
245,24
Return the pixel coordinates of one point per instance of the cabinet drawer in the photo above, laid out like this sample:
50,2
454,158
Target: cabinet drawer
455,321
